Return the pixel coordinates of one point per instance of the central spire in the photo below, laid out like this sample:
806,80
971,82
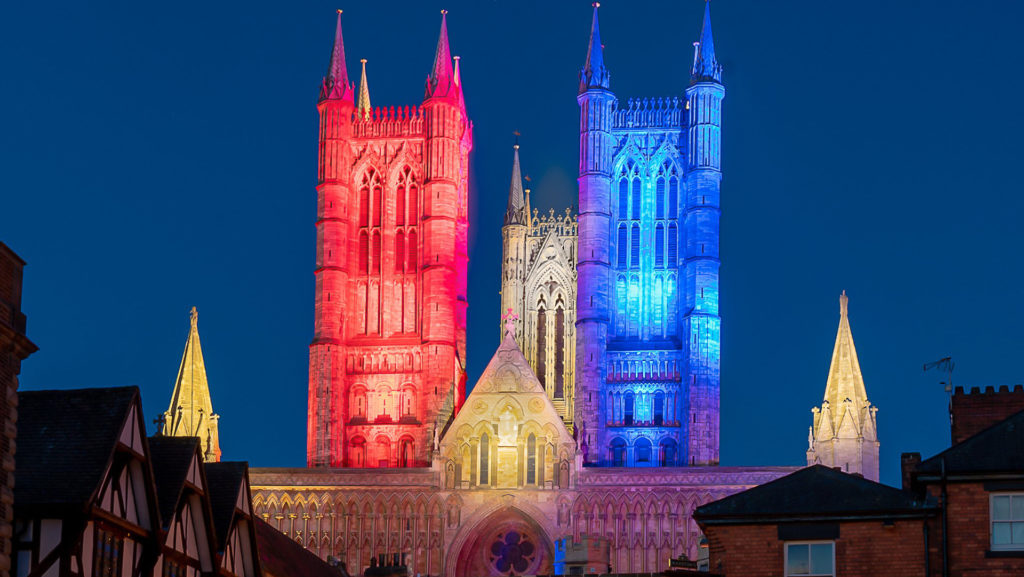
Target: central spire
336,85
190,413
705,65
514,211
594,73
440,82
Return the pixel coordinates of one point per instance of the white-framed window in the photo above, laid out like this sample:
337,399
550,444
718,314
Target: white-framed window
810,558
1007,519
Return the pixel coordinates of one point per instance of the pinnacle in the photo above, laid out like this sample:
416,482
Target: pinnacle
705,65
594,73
336,85
440,81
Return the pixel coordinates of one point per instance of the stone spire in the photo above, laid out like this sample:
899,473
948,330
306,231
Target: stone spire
363,103
458,83
440,83
705,65
594,74
336,85
844,433
190,413
514,213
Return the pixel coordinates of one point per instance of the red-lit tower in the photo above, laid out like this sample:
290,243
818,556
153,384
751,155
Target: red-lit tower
391,270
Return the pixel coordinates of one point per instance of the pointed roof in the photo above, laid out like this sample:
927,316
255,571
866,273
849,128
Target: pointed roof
705,65
440,82
363,103
190,413
594,73
458,83
336,85
998,449
844,378
816,492
516,204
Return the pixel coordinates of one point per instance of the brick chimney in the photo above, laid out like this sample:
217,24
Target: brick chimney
908,462
977,410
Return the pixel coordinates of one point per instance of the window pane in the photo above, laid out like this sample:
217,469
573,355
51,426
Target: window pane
821,559
1000,533
1017,506
1017,533
1001,508
797,562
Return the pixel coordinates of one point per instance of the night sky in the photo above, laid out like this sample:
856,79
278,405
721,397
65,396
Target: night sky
158,156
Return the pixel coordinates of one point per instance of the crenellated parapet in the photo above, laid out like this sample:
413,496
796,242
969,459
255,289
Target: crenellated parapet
647,113
390,122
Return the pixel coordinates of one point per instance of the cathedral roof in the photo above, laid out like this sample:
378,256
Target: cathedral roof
336,85
705,65
190,413
594,73
816,492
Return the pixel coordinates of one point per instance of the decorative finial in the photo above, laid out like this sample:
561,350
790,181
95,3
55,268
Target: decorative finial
843,300
362,60
443,12
510,323
194,316
339,10
596,4
456,58
516,145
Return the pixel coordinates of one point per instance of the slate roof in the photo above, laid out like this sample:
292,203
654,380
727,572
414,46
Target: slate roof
282,557
816,492
170,458
997,449
66,440
224,481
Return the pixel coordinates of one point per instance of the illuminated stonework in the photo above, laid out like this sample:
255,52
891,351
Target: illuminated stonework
190,413
391,265
538,284
845,433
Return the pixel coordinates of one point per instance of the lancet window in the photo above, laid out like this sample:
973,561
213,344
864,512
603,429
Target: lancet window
484,459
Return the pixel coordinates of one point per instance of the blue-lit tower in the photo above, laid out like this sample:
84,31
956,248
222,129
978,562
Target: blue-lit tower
701,322
648,330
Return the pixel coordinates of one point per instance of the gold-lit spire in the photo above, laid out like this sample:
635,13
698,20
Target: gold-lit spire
190,413
363,104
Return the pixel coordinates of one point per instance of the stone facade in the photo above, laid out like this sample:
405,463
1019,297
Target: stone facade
506,482
648,325
391,265
538,286
14,348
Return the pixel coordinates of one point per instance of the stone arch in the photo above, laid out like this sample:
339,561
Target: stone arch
472,552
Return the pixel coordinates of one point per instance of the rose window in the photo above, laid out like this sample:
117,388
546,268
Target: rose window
512,553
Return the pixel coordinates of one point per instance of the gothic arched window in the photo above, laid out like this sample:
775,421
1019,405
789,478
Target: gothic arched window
413,253
542,345
659,199
405,452
659,408
364,206
531,460
668,453
621,257
673,197
376,253
642,449
623,199
618,453
627,408
673,238
376,205
637,195
484,459
399,251
559,387
659,246
400,206
364,253
634,246
414,214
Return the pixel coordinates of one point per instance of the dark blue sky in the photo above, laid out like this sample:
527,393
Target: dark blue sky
160,156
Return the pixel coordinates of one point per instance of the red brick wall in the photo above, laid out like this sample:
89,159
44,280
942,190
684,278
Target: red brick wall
977,410
863,548
969,534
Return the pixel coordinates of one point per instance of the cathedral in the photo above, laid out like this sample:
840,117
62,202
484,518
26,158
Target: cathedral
594,427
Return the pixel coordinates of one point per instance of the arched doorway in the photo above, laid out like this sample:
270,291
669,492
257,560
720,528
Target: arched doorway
506,543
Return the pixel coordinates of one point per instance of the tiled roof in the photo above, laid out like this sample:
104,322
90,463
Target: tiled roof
997,449
170,457
65,443
225,480
282,557
813,493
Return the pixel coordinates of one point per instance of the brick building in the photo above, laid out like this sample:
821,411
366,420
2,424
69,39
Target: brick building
818,521
980,483
14,348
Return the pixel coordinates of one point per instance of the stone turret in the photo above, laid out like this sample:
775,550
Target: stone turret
844,432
